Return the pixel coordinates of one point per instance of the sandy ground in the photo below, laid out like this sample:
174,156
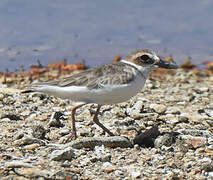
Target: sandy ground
177,105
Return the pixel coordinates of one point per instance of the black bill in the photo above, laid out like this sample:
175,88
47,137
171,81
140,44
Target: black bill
167,65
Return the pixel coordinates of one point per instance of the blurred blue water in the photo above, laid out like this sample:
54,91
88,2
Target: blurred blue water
96,31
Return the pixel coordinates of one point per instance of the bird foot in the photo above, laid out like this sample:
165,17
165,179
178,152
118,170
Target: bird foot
72,136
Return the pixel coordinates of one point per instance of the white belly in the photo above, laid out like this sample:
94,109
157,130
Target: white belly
106,95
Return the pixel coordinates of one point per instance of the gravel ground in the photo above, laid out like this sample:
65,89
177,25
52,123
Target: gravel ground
165,132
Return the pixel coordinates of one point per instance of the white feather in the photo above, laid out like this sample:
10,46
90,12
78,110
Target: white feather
109,94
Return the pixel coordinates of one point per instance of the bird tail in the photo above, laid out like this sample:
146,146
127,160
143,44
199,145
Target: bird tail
30,88
27,91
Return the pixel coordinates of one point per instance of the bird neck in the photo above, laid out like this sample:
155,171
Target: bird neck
143,70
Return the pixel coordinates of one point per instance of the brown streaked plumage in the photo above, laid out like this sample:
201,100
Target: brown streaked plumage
97,77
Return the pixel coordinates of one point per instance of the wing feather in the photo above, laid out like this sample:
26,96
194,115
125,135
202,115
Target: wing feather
97,77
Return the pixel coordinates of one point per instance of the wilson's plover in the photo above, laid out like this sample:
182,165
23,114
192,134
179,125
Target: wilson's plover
106,84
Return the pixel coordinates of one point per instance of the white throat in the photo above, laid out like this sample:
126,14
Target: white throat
144,70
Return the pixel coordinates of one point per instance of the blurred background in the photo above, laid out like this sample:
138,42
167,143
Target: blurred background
96,31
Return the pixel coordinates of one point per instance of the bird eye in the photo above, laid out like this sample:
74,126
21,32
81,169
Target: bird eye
145,58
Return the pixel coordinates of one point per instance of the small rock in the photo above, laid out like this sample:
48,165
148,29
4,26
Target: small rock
85,132
107,165
179,119
203,89
35,173
210,141
208,167
18,164
55,120
174,121
210,174
195,132
166,148
31,117
183,119
39,132
25,113
195,142
201,111
160,109
4,90
209,112
19,136
192,141
210,147
119,112
31,147
166,140
173,110
62,174
64,132
102,154
1,97
5,120
12,117
66,164
147,138
28,141
137,108
104,158
136,174
65,154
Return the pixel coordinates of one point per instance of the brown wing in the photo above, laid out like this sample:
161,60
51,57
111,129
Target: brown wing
97,77
111,74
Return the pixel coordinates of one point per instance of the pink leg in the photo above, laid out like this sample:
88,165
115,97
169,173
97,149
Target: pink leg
73,135
96,121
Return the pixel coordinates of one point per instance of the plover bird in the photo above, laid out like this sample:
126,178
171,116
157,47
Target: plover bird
106,84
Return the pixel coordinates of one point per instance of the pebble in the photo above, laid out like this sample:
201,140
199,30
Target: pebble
102,154
1,97
31,117
33,173
31,147
136,174
203,89
39,132
192,141
18,164
55,120
5,90
173,110
209,112
64,175
183,119
159,108
27,141
137,108
12,117
148,137
173,121
64,132
165,140
60,155
25,113
19,135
